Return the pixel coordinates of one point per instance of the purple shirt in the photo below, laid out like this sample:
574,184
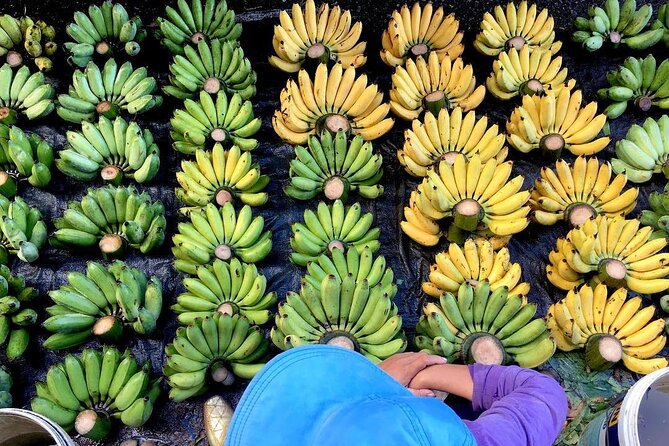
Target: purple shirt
520,407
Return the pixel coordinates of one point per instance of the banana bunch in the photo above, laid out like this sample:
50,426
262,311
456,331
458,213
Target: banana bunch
101,303
16,317
662,22
336,100
21,38
220,233
442,136
362,266
22,231
112,150
85,392
190,24
430,84
420,30
114,218
214,66
213,349
23,156
473,263
609,328
580,192
657,216
106,30
226,288
11,37
613,251
477,196
334,166
617,24
6,383
323,36
516,27
332,227
479,325
24,95
220,176
644,150
107,92
527,72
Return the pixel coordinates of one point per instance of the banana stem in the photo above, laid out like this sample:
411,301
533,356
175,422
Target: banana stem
551,146
195,38
336,244
612,272
212,85
108,328
456,235
615,37
644,103
435,102
449,157
420,49
318,53
102,48
516,42
223,196
7,184
602,352
220,374
107,109
92,424
227,308
335,188
8,116
577,214
532,87
218,135
483,348
223,252
467,214
334,123
112,246
339,339
112,175
14,59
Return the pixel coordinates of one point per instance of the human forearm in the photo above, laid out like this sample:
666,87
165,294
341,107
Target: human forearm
451,378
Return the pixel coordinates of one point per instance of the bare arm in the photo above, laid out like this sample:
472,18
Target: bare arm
450,378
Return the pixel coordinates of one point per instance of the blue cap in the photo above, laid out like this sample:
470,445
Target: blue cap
325,396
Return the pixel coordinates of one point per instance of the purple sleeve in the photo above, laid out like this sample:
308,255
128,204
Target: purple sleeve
521,406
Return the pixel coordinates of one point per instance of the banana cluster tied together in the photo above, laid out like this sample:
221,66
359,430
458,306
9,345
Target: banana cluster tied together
16,317
657,216
24,95
6,383
644,150
22,231
25,38
23,156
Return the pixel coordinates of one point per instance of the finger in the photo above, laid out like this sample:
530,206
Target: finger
436,360
416,363
422,392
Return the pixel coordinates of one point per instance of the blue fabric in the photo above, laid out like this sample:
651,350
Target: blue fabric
326,396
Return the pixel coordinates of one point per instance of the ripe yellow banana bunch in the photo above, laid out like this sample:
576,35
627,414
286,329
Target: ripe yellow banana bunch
613,251
556,121
420,30
443,136
335,100
431,84
517,72
476,262
609,328
516,27
323,36
580,192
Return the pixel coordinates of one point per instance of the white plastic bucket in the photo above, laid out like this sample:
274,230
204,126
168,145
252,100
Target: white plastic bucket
20,427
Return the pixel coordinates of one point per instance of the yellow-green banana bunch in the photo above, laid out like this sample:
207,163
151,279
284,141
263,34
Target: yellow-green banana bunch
617,24
226,288
84,393
213,350
187,25
473,263
527,72
430,84
24,95
16,316
479,325
11,37
332,227
319,36
114,219
613,251
515,27
220,233
334,166
22,231
419,30
662,22
443,136
335,100
24,38
580,192
212,67
657,216
107,30
644,150
112,150
23,156
107,92
6,383
101,303
609,328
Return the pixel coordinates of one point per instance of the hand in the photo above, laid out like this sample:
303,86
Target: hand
404,367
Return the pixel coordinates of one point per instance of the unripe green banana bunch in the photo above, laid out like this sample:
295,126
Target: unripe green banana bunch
212,67
107,92
16,317
114,218
332,165
84,393
6,383
23,95
220,176
106,30
190,24
226,288
640,81
644,151
331,227
10,39
22,231
24,38
112,150
343,312
101,303
23,156
213,350
658,215
478,325
208,121
662,22
617,24
222,233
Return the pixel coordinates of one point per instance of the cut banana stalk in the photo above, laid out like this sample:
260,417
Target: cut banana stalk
22,231
24,95
17,318
644,150
23,156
